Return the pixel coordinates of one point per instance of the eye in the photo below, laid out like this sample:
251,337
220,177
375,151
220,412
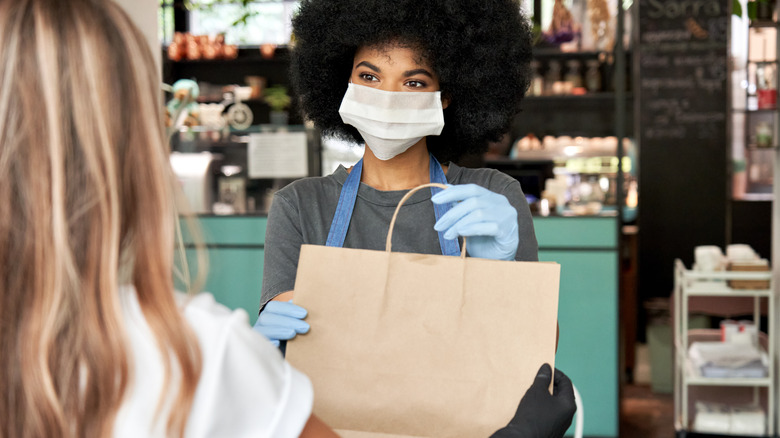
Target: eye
416,84
368,77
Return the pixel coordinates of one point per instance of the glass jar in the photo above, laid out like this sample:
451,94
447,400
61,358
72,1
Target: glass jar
573,75
587,196
552,77
593,76
537,82
763,135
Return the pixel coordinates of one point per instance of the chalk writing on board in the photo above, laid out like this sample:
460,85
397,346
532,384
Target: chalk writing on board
682,58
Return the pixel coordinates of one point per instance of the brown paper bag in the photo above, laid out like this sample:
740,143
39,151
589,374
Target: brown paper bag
419,345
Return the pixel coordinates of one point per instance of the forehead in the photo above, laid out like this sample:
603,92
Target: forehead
392,53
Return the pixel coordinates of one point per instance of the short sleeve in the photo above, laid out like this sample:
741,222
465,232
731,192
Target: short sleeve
528,248
283,240
246,388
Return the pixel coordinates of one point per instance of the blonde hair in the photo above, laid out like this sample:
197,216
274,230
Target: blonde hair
87,194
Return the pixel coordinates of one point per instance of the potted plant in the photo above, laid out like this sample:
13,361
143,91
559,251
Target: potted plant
244,10
757,10
277,98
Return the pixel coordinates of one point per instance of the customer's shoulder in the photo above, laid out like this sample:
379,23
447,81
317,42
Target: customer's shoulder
207,316
200,310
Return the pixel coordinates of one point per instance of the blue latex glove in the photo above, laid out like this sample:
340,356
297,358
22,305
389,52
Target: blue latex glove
281,321
486,218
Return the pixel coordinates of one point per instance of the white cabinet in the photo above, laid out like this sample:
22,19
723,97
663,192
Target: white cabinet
691,384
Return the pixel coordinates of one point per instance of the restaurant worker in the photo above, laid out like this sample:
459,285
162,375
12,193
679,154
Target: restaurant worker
421,84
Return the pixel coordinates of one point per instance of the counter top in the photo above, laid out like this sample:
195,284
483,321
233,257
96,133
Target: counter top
603,214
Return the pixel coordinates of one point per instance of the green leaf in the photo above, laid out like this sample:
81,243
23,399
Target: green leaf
736,8
752,10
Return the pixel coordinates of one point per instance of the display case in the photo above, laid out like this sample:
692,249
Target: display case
573,176
236,172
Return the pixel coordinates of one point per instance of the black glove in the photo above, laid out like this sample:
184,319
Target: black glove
541,415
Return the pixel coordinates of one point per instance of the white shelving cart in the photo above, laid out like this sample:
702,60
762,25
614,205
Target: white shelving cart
687,379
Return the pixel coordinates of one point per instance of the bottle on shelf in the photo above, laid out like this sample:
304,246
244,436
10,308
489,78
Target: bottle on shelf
573,77
537,81
763,135
765,84
593,76
552,78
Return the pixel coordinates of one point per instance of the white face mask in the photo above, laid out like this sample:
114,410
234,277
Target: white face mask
392,121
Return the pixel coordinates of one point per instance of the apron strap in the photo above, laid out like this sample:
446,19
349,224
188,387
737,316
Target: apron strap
343,215
448,247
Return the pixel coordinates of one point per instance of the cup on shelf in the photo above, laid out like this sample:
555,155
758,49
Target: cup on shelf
709,258
739,332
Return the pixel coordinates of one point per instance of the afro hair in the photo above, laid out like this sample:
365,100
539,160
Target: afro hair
480,50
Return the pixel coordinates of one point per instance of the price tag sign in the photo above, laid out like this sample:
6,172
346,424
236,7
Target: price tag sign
277,155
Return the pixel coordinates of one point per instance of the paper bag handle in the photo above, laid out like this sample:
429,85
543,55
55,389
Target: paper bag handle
408,195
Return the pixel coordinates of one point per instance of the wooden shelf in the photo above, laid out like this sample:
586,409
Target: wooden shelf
755,111
760,24
254,59
554,52
245,55
602,101
752,197
597,96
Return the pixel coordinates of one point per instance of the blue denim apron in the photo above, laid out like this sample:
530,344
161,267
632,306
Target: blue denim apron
343,215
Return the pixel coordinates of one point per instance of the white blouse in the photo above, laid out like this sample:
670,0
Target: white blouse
246,389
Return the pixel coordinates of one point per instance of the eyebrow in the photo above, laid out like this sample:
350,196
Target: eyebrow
369,65
417,71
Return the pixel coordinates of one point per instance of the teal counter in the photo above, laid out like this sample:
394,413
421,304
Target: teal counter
585,247
587,250
235,259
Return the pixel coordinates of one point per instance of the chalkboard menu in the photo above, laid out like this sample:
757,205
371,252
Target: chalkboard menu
683,67
682,104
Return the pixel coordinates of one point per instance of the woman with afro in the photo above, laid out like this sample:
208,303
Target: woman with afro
421,84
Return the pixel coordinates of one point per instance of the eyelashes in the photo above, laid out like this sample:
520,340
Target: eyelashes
368,77
419,84
413,83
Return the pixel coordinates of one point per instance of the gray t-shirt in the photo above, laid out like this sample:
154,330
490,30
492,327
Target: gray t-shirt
302,212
